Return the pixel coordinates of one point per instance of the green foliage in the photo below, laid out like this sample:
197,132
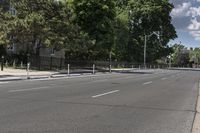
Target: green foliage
195,55
180,55
5,24
41,23
146,17
96,17
90,29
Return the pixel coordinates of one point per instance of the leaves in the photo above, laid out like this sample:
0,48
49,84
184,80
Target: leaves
90,29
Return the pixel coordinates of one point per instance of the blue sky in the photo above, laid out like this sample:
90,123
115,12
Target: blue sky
186,19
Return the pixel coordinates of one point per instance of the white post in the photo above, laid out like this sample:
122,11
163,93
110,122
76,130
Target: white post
93,69
68,70
28,68
21,64
110,68
6,64
14,63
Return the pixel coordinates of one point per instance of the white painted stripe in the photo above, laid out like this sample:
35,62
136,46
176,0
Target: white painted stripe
163,78
4,82
111,92
148,83
39,88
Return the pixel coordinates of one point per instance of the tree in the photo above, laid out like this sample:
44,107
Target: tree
195,55
145,17
41,23
122,31
180,55
96,17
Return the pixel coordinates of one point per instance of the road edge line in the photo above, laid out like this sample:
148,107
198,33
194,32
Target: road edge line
196,123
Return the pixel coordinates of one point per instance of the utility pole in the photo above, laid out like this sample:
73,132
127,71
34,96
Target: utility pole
145,45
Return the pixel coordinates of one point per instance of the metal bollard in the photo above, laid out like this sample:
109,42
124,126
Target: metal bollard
6,65
68,72
21,64
93,69
14,64
28,69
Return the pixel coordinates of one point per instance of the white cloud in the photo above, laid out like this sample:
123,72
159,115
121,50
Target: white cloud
181,10
194,11
196,35
195,25
194,29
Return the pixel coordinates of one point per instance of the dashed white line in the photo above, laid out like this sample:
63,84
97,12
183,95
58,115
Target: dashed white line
45,87
4,82
107,93
163,78
148,83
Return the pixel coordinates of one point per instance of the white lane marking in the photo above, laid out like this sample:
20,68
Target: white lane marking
45,87
148,83
4,82
111,92
163,78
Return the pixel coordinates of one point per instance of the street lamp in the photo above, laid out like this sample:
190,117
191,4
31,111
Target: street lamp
145,45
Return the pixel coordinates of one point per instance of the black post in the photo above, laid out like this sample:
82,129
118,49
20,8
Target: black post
2,63
110,62
39,63
61,63
51,62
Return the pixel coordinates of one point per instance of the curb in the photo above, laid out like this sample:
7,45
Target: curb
41,77
23,78
196,127
11,79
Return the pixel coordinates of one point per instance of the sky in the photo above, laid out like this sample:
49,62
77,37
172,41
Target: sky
186,19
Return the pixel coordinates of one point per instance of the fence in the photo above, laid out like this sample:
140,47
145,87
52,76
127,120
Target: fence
53,63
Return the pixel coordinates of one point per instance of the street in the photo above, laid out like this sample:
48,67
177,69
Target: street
159,102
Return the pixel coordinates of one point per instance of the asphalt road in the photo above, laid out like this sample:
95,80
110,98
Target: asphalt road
162,102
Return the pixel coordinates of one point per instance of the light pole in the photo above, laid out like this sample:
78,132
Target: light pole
145,45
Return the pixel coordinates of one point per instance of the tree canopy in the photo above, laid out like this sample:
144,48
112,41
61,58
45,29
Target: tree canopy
90,29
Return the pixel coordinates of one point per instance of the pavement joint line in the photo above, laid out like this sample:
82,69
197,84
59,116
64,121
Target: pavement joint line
147,83
196,121
103,94
21,90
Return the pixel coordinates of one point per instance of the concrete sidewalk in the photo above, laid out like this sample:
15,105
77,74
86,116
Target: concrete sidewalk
10,74
20,74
